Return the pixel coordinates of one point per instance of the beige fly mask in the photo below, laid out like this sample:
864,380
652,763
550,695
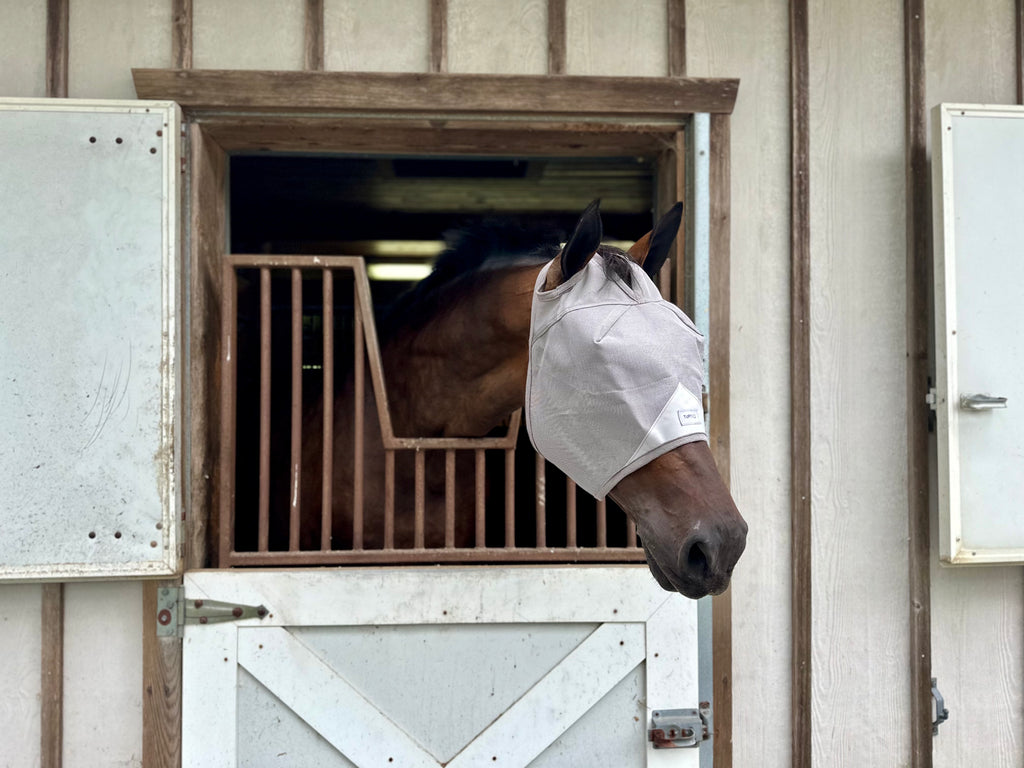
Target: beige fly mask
615,376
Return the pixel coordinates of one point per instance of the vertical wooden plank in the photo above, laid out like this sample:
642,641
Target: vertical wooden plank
295,490
438,36
228,410
556,37
263,535
480,484
327,473
419,499
52,681
918,231
313,53
359,404
57,48
161,680
52,617
719,427
181,34
677,38
800,383
207,224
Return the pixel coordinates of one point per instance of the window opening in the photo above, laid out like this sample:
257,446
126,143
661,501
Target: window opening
393,212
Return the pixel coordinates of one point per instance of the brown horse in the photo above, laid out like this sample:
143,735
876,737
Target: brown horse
455,358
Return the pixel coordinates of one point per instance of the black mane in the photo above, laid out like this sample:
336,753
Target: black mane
470,253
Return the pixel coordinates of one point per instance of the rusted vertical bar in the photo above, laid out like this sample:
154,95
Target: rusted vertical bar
570,513
602,523
481,501
630,533
228,386
420,502
510,499
327,499
449,499
359,387
264,504
389,499
542,515
296,484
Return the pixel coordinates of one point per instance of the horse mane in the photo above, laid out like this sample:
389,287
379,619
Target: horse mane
470,255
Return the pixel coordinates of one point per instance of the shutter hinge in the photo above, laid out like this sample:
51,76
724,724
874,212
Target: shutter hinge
931,398
173,612
673,728
941,713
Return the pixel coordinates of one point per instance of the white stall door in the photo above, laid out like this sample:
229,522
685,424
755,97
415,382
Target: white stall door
509,666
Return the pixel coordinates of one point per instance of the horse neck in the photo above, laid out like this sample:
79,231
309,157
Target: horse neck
464,372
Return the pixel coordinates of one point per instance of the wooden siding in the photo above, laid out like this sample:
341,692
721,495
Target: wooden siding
750,42
977,613
23,42
135,34
504,36
359,35
616,37
20,674
259,34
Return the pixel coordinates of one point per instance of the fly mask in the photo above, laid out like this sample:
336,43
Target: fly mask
614,377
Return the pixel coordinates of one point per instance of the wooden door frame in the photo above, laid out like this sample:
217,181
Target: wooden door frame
391,113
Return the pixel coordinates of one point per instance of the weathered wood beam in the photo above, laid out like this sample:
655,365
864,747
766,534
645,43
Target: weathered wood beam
387,92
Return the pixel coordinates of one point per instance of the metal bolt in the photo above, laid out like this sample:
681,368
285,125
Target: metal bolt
198,603
164,617
236,612
203,620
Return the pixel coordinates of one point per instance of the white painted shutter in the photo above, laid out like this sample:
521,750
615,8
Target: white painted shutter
506,666
89,339
978,187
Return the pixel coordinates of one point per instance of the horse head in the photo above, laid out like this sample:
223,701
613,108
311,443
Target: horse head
614,400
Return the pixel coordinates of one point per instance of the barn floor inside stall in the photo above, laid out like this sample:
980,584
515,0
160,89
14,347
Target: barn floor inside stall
395,212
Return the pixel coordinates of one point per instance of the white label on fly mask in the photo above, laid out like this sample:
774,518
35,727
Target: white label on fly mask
682,415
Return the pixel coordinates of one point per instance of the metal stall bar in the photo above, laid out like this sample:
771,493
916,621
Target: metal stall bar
359,389
327,506
264,502
295,489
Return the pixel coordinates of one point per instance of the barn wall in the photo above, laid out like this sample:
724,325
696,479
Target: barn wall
977,613
750,41
860,707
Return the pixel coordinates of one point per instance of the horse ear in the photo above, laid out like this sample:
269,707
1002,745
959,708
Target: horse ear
586,238
651,250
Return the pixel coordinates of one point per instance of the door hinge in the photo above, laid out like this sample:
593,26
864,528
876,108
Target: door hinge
173,612
941,713
673,728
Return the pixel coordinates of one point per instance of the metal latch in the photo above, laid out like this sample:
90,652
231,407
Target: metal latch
671,728
173,612
941,713
931,398
981,402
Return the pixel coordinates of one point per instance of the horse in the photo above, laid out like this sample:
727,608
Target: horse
456,355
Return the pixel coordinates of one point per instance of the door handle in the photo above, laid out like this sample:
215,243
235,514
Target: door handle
981,402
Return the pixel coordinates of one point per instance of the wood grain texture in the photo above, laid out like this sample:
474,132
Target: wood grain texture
23,41
208,242
800,383
556,37
256,34
161,686
107,38
422,137
751,40
497,36
103,673
20,675
617,37
360,35
52,682
676,38
313,48
181,34
977,614
859,558
438,61
57,48
918,279
720,426
416,93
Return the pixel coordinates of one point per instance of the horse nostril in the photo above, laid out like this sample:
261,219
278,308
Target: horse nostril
697,559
